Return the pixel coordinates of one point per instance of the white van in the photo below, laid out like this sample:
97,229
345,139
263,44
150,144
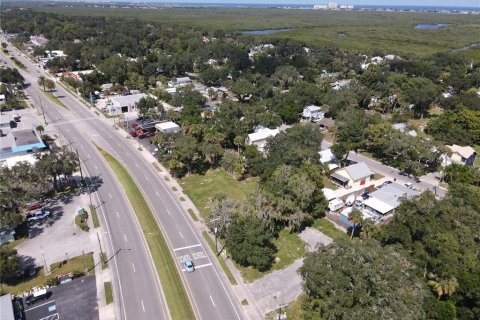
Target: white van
335,204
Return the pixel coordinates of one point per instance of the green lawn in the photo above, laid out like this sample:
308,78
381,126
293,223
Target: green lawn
224,266
55,99
202,188
290,248
108,292
329,229
77,263
327,183
172,286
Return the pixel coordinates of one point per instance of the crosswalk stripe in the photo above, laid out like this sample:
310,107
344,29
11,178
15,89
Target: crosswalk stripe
60,123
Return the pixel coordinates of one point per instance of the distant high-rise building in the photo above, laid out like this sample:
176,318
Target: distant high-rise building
332,5
320,7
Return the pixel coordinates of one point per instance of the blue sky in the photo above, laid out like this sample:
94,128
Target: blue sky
464,3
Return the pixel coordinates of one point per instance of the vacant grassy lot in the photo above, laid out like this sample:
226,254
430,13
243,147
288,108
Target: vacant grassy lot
202,188
392,32
293,310
172,286
329,229
78,263
290,248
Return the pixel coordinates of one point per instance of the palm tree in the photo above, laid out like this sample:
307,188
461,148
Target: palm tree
40,129
444,287
368,229
42,82
356,217
238,141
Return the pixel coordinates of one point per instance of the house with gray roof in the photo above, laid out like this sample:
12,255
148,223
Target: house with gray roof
358,174
386,199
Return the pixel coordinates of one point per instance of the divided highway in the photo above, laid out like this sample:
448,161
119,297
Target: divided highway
136,286
208,288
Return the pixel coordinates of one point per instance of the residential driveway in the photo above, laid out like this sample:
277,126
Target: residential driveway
283,286
58,236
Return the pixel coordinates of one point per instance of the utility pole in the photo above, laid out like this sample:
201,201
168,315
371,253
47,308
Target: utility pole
80,165
44,262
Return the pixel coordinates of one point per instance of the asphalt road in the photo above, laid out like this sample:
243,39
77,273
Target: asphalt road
137,290
208,288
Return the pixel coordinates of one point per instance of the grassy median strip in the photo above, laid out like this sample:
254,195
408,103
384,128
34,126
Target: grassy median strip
108,292
93,213
223,264
55,99
172,286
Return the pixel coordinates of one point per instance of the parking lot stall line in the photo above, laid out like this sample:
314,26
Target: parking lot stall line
40,305
211,299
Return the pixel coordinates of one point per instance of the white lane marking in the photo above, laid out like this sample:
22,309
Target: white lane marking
203,266
125,236
211,299
180,234
40,305
143,306
188,247
118,215
95,166
169,212
146,178
133,267
136,164
110,195
157,194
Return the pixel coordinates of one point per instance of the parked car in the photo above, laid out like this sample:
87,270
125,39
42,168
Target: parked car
151,134
408,185
37,215
365,195
143,135
136,133
34,205
188,264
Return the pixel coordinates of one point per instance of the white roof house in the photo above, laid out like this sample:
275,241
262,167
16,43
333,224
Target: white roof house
168,127
328,158
463,155
260,137
313,113
339,84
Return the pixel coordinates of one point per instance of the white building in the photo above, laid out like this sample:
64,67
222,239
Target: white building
179,82
122,104
260,137
461,155
168,127
313,113
355,175
328,158
3,99
337,85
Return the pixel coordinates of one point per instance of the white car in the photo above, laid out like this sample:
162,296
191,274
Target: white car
38,215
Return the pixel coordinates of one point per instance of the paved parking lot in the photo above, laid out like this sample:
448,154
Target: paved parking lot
57,236
76,300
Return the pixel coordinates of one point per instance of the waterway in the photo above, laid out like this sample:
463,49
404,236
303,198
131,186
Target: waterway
266,31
